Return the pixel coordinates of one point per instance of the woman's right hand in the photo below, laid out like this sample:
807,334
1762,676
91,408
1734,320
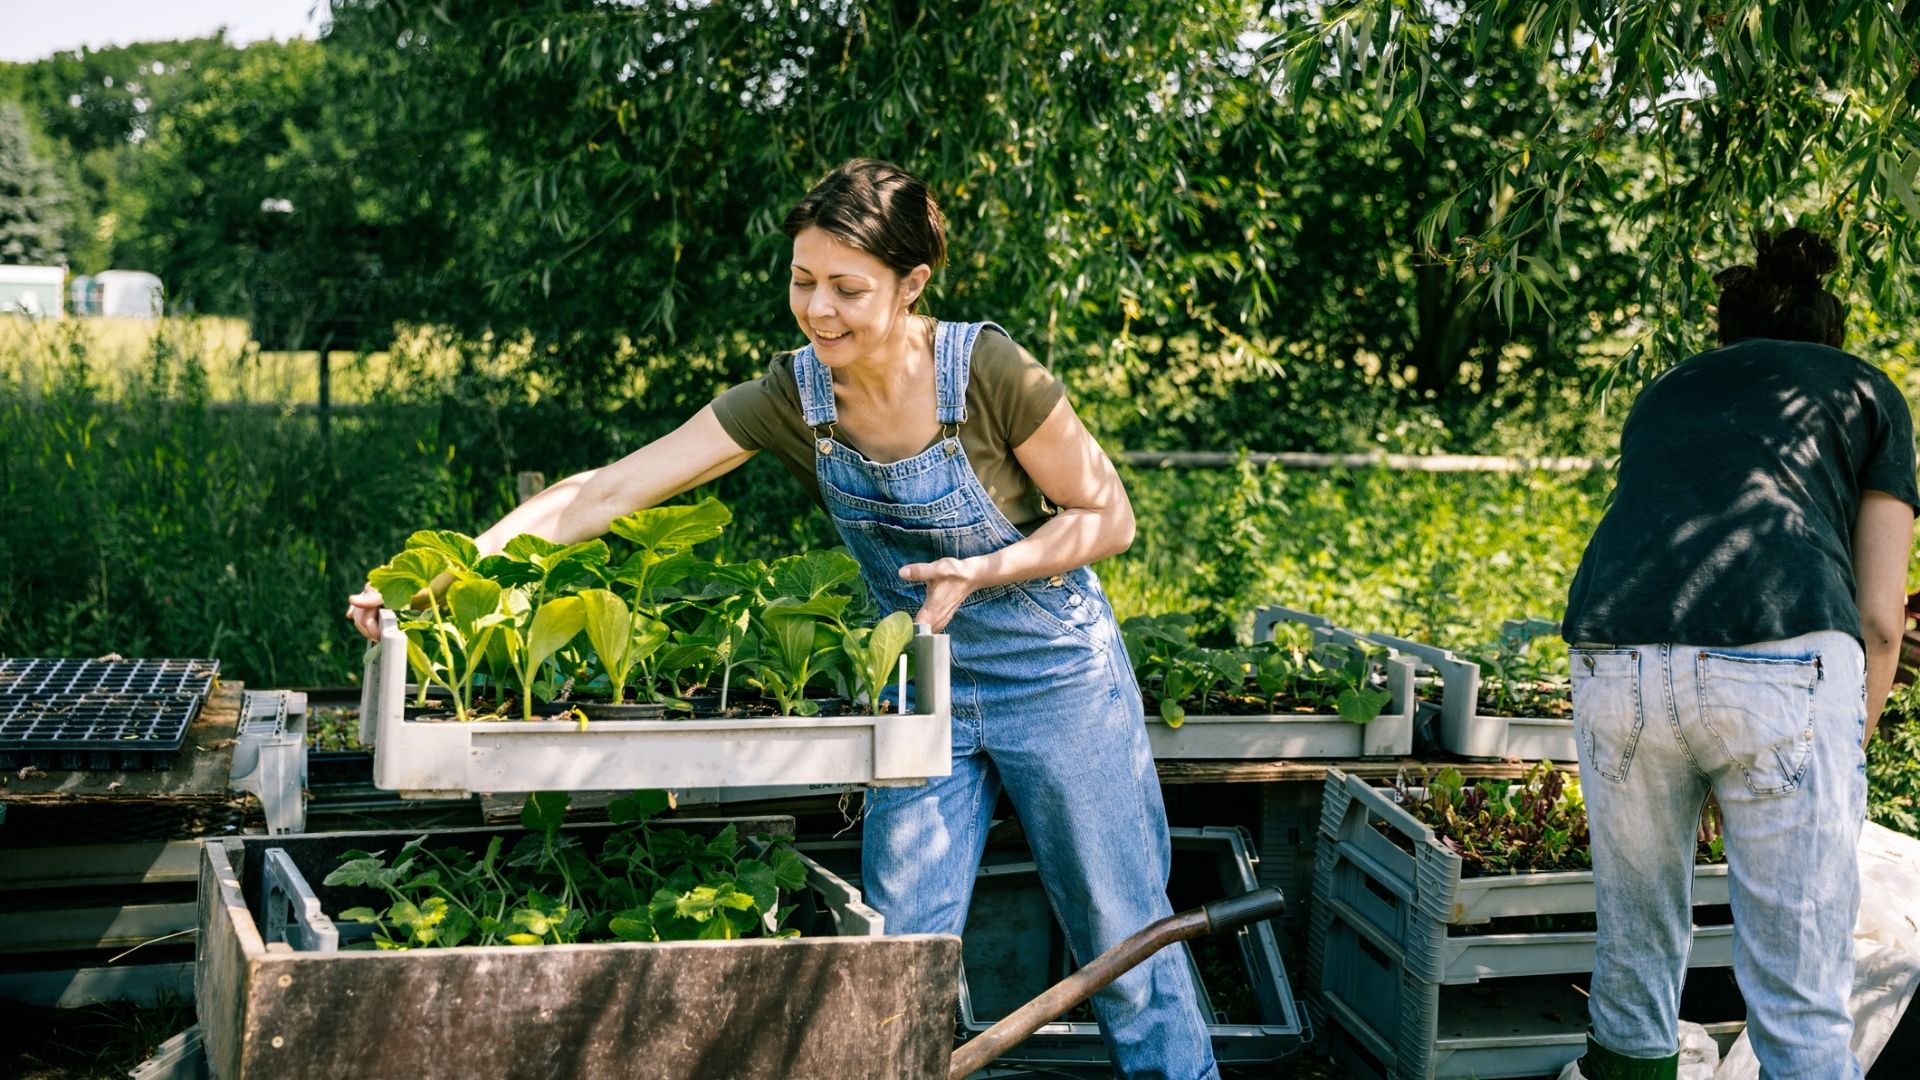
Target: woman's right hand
364,610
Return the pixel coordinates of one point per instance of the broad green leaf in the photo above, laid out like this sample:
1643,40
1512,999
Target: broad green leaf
370,871
544,811
458,550
609,627
1361,705
788,871
471,601
1172,712
522,939
556,623
360,915
509,572
756,879
666,529
808,575
527,547
638,806
632,925
406,576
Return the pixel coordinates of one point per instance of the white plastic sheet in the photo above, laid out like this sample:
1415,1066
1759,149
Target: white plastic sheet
1886,950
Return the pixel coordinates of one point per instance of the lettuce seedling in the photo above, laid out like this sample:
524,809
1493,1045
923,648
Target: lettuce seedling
532,639
621,638
875,653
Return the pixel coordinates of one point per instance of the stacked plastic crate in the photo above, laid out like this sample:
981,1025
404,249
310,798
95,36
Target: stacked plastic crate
1418,973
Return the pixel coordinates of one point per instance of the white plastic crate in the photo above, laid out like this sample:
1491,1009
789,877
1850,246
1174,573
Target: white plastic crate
446,758
1201,738
1464,730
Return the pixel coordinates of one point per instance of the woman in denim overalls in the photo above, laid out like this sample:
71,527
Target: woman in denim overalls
1044,702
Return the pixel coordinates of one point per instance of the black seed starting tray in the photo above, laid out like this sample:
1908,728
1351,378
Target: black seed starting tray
98,714
94,731
43,675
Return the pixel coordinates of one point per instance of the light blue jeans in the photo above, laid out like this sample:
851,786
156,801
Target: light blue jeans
1774,731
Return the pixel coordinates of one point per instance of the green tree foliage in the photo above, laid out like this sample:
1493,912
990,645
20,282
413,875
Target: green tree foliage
257,201
32,199
101,108
1711,120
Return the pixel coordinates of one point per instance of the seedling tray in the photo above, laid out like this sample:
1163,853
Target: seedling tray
1432,877
445,758
843,1001
1296,735
1465,730
60,713
94,730
52,675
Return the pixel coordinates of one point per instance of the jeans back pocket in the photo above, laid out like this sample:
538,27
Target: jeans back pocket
1760,710
1606,708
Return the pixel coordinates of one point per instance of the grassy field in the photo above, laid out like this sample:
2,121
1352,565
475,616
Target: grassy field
144,516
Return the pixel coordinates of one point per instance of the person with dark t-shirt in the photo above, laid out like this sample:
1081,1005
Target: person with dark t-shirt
1735,624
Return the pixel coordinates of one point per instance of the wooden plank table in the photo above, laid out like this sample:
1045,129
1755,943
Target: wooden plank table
198,775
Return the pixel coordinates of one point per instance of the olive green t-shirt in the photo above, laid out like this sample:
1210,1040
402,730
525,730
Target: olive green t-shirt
1009,395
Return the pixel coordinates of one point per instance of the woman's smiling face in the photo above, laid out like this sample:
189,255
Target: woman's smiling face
851,305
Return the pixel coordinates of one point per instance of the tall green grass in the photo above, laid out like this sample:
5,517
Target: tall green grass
141,516
1444,557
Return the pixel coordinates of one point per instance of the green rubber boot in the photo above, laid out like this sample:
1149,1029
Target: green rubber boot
1604,1064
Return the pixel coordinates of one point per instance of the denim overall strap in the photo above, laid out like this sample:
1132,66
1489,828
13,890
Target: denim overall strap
952,364
815,383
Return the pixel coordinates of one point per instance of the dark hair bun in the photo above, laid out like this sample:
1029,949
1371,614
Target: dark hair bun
1780,295
1796,257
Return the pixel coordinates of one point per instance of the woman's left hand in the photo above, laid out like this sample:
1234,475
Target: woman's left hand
949,583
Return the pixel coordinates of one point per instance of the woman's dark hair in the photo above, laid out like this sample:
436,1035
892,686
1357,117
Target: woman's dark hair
879,208
1779,296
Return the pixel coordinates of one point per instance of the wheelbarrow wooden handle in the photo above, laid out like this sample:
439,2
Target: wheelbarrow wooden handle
1221,915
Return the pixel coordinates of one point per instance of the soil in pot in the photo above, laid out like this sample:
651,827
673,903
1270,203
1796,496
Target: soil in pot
642,710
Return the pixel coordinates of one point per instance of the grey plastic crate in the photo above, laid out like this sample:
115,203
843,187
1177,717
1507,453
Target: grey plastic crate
1431,875
1015,950
1464,730
1350,885
442,759
1507,1028
1386,950
1390,734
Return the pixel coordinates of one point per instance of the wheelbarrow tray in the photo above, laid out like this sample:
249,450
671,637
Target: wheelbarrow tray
821,1006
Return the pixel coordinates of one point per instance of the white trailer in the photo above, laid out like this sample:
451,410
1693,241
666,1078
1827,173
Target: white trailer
37,292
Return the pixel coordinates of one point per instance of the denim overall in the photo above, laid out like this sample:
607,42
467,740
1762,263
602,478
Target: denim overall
1044,705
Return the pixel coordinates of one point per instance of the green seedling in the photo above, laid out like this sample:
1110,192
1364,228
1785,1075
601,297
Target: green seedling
621,638
646,883
874,654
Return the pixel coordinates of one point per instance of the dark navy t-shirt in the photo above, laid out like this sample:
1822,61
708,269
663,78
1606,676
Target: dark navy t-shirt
1739,480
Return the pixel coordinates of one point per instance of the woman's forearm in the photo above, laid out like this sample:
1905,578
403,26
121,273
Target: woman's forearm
1883,656
1069,540
577,508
